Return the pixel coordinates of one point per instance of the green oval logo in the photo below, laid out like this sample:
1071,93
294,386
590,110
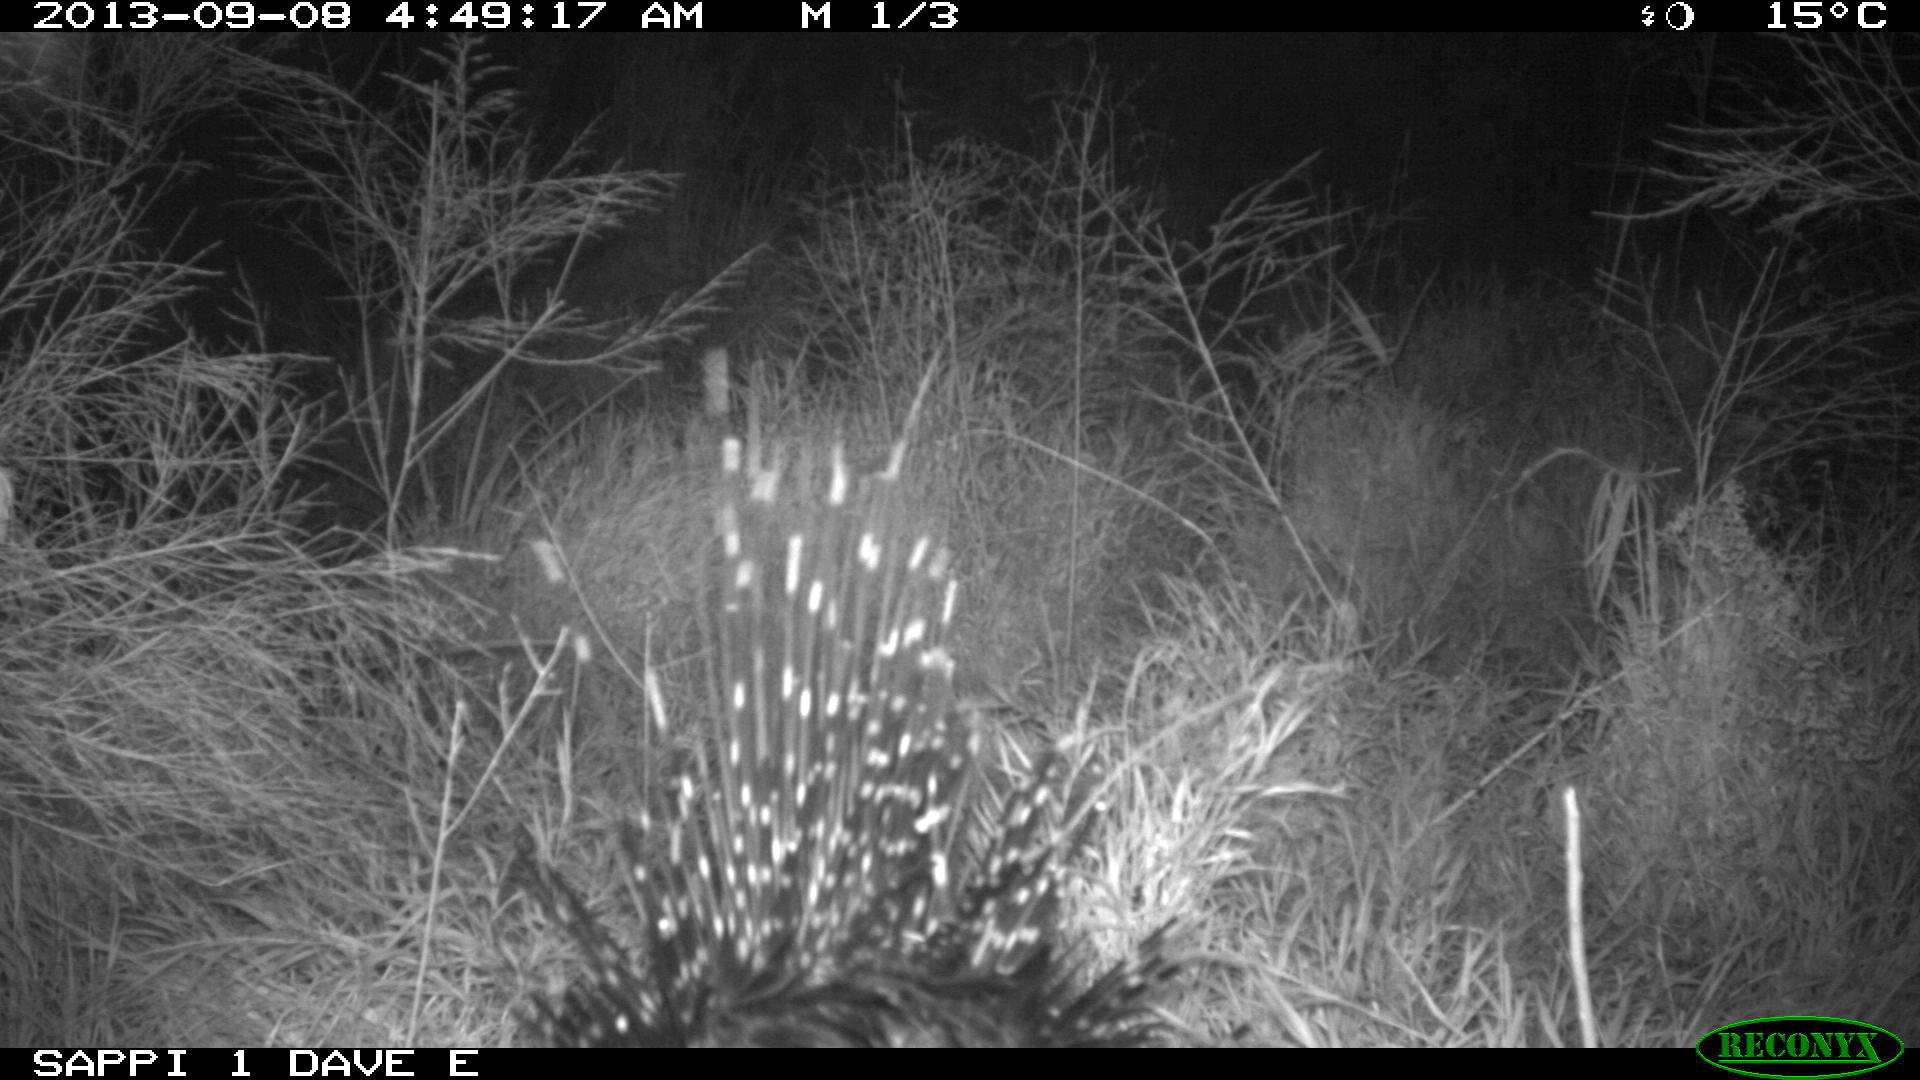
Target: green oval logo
1801,1047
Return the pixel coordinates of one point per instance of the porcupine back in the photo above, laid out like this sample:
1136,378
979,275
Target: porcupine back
831,878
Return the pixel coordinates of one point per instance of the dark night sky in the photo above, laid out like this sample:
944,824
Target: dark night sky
1501,146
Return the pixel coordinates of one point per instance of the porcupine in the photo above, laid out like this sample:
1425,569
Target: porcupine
830,881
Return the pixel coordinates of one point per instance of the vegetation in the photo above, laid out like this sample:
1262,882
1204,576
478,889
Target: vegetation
1336,585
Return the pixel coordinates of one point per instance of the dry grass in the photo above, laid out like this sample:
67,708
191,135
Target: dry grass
1220,542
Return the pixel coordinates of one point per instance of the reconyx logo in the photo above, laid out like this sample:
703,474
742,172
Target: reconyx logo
1800,1047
